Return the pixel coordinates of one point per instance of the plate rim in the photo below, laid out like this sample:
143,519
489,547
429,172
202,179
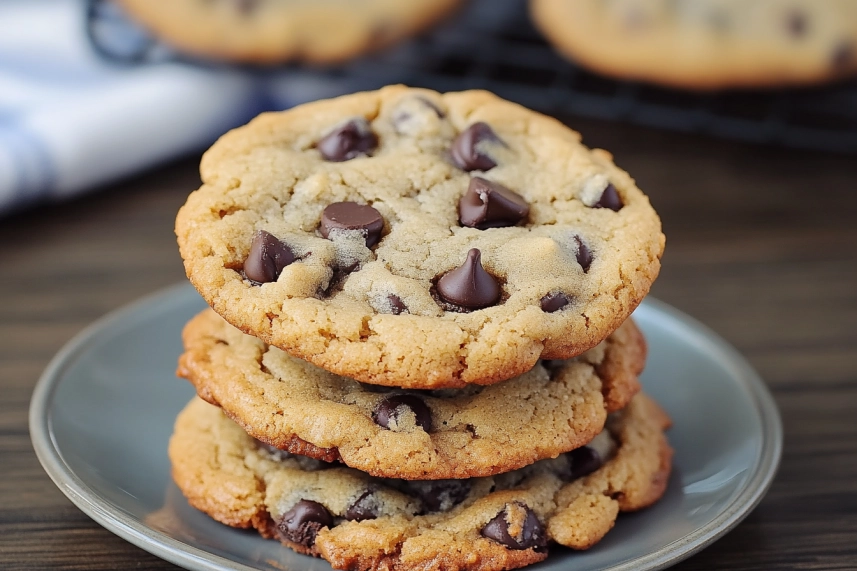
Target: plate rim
162,545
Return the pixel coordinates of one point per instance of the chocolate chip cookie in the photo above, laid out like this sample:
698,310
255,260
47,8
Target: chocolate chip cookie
407,238
273,31
359,522
706,44
429,434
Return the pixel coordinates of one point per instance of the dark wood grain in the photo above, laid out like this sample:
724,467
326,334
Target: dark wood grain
761,246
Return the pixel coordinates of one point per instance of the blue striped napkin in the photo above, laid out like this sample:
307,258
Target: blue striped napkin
87,97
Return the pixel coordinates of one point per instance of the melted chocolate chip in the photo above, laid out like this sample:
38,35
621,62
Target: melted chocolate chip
438,495
389,411
609,199
397,306
469,285
353,216
348,141
246,7
268,256
553,302
584,254
488,204
363,508
302,523
464,153
531,532
584,461
797,24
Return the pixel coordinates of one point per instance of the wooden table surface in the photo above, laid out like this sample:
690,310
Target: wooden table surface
761,246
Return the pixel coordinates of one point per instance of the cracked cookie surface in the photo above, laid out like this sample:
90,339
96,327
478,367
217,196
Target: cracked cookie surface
504,239
363,523
451,433
706,44
273,31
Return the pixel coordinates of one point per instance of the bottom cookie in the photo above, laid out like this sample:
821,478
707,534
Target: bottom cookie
356,521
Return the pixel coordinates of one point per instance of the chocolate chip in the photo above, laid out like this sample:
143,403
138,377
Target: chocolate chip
553,302
584,461
464,153
843,55
268,256
390,410
469,285
609,199
441,495
488,204
584,254
797,23
302,523
348,141
397,306
529,533
363,508
246,7
353,216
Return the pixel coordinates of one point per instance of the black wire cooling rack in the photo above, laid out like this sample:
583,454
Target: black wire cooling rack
491,44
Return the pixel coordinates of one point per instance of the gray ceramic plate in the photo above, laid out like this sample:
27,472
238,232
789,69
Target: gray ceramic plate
103,411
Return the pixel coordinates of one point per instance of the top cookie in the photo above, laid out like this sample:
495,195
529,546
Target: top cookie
706,44
273,31
493,238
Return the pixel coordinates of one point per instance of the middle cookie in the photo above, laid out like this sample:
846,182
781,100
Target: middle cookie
462,433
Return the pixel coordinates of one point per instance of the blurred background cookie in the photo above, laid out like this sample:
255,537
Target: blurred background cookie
272,31
706,44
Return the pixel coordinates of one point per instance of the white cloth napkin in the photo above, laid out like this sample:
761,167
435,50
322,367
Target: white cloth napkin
72,119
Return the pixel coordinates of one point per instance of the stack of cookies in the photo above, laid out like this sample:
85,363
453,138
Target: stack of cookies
419,351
